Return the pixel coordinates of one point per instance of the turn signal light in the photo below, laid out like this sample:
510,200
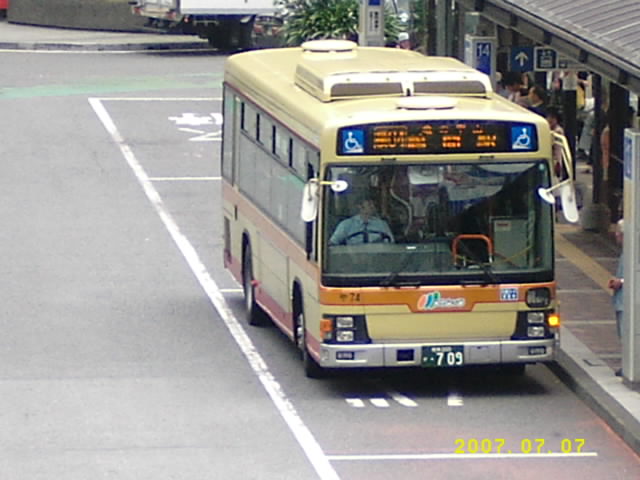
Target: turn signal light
553,320
326,328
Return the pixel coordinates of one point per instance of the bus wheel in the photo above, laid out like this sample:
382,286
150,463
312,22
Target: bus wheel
309,365
253,312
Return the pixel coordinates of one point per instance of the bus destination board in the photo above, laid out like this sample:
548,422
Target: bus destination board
435,137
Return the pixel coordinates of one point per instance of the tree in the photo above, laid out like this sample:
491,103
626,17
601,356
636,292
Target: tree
319,19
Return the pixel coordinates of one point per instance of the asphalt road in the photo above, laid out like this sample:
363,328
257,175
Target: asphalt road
122,354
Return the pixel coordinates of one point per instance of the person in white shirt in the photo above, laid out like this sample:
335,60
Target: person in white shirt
365,227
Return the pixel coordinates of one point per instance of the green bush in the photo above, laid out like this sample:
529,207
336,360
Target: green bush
319,19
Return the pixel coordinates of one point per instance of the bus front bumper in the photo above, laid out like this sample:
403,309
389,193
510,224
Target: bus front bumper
412,354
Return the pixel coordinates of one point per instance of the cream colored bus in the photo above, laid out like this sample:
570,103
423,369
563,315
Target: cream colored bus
387,209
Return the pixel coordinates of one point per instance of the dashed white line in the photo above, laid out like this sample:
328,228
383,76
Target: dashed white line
402,399
454,399
355,402
303,435
379,402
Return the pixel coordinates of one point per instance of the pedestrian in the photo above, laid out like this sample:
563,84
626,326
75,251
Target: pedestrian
404,41
511,85
555,119
537,99
616,284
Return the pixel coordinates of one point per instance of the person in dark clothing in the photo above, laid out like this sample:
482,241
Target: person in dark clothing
538,100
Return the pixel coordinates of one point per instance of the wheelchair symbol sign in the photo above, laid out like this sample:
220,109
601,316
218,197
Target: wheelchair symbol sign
352,141
522,138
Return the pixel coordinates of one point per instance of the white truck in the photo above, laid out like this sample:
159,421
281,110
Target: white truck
225,23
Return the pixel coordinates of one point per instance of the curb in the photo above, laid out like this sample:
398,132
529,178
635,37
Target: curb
99,47
597,392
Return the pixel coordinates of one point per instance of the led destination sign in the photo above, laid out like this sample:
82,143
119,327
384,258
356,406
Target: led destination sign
437,137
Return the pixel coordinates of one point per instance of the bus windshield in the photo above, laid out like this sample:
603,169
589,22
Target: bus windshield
445,223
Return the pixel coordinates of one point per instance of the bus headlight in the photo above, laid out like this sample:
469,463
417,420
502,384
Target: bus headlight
346,329
535,318
344,322
538,297
344,336
536,331
535,324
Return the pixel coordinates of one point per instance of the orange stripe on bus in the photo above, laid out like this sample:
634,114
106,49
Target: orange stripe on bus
411,296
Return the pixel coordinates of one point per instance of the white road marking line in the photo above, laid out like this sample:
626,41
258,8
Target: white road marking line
208,137
454,399
402,399
457,456
379,402
185,179
303,435
231,290
191,130
355,402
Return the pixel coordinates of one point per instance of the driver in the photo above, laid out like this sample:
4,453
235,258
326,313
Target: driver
365,227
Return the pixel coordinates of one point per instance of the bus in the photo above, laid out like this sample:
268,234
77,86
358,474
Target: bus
388,209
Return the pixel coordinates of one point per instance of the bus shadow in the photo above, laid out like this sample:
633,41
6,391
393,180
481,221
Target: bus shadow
472,381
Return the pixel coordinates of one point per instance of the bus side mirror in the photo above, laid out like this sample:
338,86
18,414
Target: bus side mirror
566,187
567,196
309,210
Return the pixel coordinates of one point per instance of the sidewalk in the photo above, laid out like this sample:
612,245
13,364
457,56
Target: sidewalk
590,350
27,37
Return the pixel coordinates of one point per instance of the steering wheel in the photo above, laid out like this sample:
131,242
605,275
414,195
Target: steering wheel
384,236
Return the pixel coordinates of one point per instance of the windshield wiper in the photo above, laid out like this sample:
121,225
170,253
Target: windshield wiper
486,268
393,276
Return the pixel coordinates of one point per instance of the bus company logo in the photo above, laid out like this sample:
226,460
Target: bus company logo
433,300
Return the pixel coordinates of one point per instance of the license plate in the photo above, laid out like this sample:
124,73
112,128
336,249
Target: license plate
443,356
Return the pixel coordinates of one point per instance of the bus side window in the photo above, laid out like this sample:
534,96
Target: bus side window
230,108
250,120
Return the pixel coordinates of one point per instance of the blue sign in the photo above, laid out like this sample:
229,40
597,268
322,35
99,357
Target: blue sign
523,138
483,57
545,59
352,141
509,294
521,59
374,3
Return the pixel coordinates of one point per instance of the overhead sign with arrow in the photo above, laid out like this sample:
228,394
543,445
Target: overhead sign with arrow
521,59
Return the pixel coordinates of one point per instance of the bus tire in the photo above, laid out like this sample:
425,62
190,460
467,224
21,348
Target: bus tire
253,313
310,367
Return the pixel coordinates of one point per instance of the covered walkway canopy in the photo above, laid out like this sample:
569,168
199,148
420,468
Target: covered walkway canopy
604,35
